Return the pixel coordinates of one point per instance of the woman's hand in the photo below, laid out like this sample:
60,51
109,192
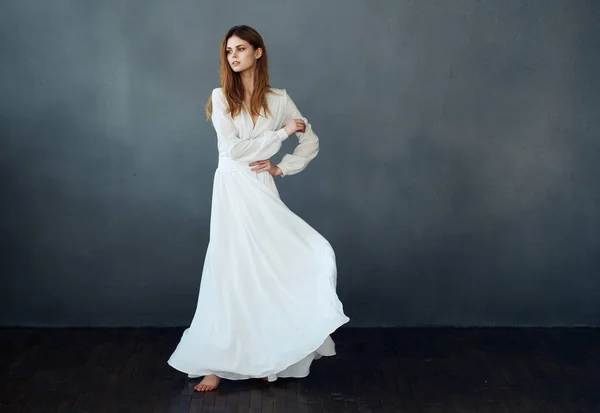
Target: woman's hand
265,166
295,125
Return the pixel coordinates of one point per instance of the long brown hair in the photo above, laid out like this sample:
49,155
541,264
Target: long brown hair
231,82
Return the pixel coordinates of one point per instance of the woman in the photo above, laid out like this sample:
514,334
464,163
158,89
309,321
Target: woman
267,302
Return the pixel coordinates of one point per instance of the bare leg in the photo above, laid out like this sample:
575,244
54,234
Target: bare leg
208,383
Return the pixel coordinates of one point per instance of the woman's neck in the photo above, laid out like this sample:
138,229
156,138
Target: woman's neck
248,81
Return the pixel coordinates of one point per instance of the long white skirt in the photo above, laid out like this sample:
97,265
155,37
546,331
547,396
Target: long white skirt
267,303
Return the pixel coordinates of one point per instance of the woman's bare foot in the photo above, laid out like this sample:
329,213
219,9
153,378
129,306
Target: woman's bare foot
208,383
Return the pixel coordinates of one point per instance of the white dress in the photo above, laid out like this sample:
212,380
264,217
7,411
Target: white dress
267,302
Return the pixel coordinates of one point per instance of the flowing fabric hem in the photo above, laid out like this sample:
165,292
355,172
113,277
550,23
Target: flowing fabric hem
311,348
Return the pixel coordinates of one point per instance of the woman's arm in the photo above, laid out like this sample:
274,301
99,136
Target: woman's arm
308,146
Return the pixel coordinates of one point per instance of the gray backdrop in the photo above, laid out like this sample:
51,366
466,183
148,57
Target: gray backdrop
458,179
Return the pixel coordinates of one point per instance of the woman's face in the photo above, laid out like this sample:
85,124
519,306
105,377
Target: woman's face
241,55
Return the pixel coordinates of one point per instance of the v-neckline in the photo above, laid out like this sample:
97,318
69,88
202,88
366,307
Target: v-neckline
252,122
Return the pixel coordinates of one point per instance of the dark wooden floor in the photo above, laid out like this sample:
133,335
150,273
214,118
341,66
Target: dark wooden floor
376,370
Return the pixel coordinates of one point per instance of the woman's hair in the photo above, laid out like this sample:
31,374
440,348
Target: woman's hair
231,82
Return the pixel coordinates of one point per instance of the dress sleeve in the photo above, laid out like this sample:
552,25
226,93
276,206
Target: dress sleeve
308,146
249,150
